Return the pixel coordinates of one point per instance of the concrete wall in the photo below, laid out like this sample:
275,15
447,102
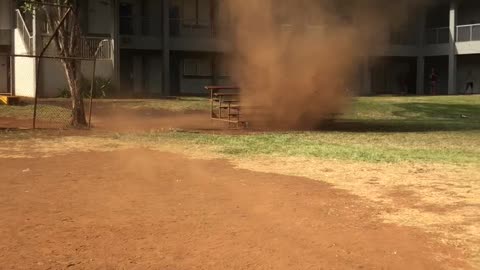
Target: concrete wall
196,23
5,14
469,13
153,17
100,18
53,78
201,70
195,73
5,22
24,69
153,74
471,47
194,86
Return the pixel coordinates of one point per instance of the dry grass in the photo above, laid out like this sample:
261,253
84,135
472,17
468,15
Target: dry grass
431,197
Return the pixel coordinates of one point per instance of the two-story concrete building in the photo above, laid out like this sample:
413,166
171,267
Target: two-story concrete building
173,47
446,38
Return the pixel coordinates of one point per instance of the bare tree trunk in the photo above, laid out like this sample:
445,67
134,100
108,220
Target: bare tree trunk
72,70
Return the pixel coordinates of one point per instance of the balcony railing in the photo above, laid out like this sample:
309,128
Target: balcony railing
440,35
469,32
88,47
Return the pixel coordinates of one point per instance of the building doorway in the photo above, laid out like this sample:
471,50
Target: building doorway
4,74
394,75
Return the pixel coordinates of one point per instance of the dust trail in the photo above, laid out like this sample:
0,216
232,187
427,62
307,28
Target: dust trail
298,61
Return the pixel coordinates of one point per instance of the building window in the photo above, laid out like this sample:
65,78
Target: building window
197,13
126,19
197,68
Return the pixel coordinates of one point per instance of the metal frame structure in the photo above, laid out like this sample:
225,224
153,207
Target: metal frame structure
41,56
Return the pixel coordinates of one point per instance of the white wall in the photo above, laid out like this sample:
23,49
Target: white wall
53,78
24,70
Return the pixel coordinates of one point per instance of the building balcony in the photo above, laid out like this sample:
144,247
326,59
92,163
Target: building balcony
468,32
468,39
88,47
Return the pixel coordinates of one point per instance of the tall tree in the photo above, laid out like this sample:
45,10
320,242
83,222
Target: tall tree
67,40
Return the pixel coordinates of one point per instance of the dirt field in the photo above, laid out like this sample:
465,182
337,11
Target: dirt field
141,209
96,200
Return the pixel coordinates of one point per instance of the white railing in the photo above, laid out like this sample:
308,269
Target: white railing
24,32
438,35
87,48
468,32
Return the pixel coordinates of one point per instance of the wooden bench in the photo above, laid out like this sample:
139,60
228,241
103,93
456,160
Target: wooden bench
225,104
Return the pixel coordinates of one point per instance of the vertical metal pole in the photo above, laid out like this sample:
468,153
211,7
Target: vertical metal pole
92,90
211,103
471,33
12,75
36,93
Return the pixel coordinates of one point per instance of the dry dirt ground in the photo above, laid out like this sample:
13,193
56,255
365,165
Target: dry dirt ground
145,209
139,209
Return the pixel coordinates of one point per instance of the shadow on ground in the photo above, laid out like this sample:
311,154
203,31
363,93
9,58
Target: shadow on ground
416,117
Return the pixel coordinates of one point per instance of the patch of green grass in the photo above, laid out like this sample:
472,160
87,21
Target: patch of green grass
18,112
376,129
181,104
45,112
439,147
438,108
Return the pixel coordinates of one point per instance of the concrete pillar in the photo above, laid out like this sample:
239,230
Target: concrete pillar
452,55
115,50
421,28
166,47
420,75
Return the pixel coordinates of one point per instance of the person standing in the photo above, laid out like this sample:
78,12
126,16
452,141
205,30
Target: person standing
469,84
433,82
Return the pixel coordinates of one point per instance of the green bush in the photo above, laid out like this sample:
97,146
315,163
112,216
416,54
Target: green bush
103,88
